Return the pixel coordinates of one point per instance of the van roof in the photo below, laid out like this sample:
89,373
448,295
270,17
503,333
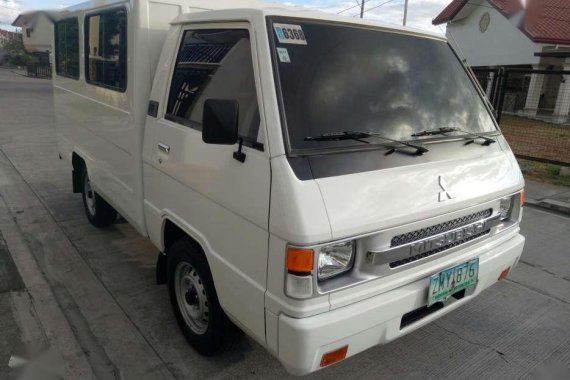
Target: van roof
227,9
269,9
204,4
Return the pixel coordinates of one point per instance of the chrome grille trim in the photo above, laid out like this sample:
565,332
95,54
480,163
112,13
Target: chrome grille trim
399,263
433,244
423,233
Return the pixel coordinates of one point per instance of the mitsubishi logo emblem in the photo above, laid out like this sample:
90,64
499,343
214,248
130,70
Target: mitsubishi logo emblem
444,195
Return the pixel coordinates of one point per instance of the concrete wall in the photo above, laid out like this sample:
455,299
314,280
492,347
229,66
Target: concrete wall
502,44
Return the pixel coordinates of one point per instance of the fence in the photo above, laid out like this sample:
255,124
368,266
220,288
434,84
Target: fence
532,108
39,70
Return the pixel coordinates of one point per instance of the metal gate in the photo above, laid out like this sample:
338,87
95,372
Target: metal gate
532,108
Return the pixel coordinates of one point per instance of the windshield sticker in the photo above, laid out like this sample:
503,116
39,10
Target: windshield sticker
283,55
290,34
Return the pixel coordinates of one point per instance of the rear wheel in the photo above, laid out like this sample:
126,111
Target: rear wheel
194,299
98,211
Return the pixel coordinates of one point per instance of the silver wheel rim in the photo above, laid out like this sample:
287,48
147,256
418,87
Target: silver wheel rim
191,298
89,196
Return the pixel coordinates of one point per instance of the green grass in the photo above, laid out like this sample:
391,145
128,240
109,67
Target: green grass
542,172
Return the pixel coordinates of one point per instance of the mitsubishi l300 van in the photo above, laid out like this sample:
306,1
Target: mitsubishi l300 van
325,184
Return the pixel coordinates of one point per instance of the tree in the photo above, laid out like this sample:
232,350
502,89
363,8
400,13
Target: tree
14,52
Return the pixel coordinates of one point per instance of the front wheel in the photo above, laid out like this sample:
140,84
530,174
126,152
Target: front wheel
98,211
194,299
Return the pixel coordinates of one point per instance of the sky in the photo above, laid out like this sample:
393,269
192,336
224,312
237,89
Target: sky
420,12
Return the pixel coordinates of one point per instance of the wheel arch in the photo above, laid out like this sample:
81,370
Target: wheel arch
171,232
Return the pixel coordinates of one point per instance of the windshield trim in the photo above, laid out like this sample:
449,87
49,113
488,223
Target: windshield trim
290,152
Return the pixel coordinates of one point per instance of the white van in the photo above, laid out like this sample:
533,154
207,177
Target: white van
327,184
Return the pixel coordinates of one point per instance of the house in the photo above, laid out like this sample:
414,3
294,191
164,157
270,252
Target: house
37,32
504,33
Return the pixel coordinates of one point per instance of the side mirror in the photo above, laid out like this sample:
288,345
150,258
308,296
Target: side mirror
220,121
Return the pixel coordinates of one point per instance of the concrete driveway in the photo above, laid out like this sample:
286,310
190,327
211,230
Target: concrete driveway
88,297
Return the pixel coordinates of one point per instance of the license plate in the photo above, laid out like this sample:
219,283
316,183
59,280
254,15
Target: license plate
447,282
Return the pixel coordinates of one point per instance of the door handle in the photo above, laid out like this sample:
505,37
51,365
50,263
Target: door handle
164,148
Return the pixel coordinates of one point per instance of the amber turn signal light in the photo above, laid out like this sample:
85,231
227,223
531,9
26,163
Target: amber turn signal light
300,260
334,356
504,274
523,197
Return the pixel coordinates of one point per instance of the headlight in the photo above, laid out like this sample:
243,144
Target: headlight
506,207
335,259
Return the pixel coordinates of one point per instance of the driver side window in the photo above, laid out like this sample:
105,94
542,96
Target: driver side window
214,64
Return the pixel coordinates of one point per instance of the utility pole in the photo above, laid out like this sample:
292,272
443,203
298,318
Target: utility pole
362,8
405,12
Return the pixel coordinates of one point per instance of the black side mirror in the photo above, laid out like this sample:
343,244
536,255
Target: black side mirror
220,121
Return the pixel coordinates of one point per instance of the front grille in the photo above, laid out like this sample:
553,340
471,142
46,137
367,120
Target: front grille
409,237
398,263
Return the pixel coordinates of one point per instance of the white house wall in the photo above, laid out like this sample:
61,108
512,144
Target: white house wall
502,44
41,36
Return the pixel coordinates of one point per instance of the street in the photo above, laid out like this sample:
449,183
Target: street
89,296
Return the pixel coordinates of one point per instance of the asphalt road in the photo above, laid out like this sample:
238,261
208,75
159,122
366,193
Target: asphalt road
86,299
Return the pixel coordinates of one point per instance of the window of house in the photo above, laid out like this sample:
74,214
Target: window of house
214,64
67,48
106,49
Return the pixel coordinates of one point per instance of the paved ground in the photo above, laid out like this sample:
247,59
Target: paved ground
88,297
548,196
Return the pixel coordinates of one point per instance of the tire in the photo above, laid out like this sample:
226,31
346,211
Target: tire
194,299
98,211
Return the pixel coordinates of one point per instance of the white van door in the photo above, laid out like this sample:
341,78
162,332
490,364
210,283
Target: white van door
221,202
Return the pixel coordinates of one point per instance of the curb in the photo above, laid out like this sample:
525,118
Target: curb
550,205
20,74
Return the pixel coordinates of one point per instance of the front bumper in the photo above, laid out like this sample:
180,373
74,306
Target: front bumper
377,320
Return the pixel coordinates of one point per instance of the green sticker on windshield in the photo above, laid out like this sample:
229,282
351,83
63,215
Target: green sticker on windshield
283,55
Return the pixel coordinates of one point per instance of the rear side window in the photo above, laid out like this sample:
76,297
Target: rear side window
214,64
67,48
106,49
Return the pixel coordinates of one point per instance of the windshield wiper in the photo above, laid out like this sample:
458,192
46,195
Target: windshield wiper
442,131
360,135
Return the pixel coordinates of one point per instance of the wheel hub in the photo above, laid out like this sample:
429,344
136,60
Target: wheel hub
191,298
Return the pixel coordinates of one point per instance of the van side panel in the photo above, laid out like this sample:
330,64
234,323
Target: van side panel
105,127
159,17
236,249
99,125
220,202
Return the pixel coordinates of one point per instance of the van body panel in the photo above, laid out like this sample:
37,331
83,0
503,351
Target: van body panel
105,133
421,271
238,264
106,124
377,320
367,202
298,213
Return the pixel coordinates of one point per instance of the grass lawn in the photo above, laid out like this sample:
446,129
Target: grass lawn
539,171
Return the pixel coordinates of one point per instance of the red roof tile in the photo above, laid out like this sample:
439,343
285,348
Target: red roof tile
506,7
6,33
449,12
548,21
545,21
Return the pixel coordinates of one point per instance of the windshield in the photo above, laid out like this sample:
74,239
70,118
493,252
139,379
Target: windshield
337,78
